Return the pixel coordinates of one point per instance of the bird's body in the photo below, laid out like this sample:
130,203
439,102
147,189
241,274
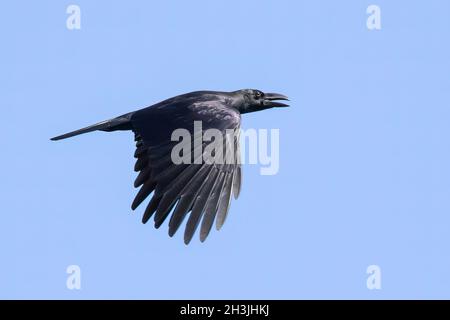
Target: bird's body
204,189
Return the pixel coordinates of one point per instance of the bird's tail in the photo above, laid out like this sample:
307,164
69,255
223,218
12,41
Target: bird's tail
119,123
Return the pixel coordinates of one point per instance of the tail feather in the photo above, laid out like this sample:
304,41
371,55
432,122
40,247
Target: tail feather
119,123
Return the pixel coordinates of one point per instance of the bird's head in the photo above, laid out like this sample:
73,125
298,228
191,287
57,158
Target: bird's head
251,100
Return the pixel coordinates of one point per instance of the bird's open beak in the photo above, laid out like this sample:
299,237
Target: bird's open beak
269,100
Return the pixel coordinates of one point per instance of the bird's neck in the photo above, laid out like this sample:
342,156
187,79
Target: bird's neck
238,101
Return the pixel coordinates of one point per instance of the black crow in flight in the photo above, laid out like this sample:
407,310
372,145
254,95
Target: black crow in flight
202,188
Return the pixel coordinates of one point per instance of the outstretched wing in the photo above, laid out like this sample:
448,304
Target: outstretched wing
201,188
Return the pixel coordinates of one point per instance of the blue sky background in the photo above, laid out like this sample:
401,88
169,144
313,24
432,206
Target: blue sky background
364,162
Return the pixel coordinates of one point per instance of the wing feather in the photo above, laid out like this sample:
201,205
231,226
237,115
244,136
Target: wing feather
224,202
188,195
211,207
199,206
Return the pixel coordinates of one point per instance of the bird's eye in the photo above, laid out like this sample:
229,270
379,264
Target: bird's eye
258,94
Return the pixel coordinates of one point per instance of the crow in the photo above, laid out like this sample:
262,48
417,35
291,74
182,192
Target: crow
201,188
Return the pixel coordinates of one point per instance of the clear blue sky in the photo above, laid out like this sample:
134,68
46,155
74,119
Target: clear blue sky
364,162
